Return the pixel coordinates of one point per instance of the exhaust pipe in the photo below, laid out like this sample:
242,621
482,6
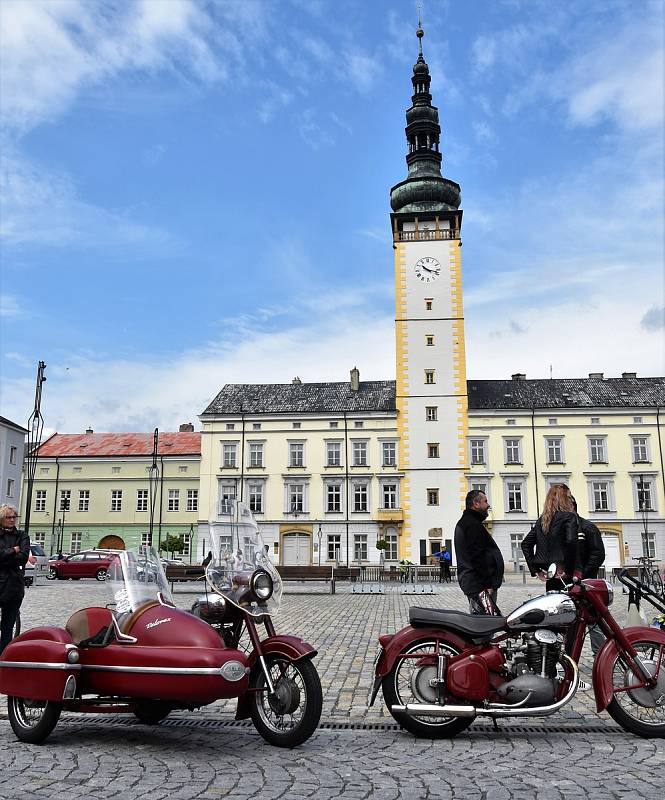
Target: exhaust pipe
494,709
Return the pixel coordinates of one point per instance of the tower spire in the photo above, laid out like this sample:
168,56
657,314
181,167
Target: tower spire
424,189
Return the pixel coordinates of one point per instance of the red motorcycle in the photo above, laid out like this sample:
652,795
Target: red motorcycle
147,657
447,667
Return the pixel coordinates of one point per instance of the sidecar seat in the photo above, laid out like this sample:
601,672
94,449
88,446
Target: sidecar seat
88,624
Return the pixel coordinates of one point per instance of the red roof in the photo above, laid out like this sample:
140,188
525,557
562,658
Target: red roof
120,444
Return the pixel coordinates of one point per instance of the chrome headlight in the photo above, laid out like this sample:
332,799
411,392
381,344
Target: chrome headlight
261,584
610,593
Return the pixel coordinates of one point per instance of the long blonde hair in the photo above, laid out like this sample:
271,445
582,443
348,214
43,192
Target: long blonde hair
558,498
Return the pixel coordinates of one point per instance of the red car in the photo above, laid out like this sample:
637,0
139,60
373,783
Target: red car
87,564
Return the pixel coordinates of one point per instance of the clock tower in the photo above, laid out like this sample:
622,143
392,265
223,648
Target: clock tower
429,331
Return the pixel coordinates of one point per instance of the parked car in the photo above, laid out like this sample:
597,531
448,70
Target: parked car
86,564
37,565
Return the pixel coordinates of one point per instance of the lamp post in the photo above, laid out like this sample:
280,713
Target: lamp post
319,533
61,529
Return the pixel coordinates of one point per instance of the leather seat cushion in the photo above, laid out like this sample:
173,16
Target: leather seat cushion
474,625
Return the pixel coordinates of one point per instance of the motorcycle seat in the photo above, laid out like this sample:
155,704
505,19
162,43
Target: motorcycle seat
478,626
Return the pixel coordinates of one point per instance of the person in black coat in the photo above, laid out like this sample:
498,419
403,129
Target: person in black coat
14,554
479,560
554,539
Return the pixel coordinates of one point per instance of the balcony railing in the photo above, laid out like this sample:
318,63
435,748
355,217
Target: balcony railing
427,235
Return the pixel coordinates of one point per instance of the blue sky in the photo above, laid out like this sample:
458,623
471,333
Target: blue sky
196,193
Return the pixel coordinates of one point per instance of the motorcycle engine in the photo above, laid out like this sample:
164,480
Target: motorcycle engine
533,664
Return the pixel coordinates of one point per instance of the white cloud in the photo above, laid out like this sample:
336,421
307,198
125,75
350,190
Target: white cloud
9,306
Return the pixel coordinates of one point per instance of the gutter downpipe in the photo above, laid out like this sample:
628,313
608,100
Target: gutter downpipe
346,483
55,499
242,453
161,505
660,448
535,461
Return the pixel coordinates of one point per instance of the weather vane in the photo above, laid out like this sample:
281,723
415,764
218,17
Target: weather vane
420,32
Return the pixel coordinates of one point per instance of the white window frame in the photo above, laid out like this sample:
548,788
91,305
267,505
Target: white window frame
506,459
389,454
390,495
39,537
142,500
296,454
116,500
483,484
600,479
229,455
256,496
41,496
145,542
330,490
360,490
603,445
333,546
192,499
521,483
256,455
634,448
75,541
430,377
651,480
227,494
84,500
480,446
360,452
516,553
649,538
550,450
296,491
359,547
334,454
173,502
186,544
65,500
392,540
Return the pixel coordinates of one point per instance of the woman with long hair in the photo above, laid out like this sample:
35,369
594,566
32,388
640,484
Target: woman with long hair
554,538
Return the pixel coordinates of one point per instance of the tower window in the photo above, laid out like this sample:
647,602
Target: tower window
428,303
431,413
433,450
429,376
429,339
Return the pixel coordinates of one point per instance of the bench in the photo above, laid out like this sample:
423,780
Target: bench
308,573
184,572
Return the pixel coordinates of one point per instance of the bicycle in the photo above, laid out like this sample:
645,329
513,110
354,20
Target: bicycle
649,574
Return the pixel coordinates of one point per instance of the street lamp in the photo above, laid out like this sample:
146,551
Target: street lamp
61,529
319,533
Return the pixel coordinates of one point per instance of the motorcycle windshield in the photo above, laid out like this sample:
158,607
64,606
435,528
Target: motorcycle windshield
241,569
134,580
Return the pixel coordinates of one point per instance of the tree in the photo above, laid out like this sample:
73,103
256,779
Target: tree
174,543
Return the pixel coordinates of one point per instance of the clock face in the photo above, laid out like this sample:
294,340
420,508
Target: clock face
427,269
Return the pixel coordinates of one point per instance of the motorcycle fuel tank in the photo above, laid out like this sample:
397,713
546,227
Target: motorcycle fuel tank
554,609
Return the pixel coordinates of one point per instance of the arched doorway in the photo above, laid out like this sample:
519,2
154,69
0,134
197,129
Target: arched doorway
111,542
296,549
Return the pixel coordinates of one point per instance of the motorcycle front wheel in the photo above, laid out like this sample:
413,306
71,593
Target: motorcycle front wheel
409,682
32,720
638,710
288,717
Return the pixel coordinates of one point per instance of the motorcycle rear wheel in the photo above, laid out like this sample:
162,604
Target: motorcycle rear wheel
32,720
290,717
407,682
636,711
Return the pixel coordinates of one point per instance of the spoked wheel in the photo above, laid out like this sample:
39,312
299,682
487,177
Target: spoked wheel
101,574
151,712
640,711
409,682
32,720
290,716
52,574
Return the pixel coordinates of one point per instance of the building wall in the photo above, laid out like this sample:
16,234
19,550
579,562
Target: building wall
276,519
617,468
100,477
11,464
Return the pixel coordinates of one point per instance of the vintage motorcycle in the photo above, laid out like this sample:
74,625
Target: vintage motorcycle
145,656
446,668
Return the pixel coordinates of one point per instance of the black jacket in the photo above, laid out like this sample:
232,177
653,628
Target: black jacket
559,545
12,563
592,549
479,560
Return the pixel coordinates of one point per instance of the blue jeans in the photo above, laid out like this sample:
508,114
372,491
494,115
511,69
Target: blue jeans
9,611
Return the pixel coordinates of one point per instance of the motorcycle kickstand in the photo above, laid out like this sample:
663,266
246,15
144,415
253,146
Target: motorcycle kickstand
496,727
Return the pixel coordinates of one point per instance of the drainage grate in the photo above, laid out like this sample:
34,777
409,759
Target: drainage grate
215,724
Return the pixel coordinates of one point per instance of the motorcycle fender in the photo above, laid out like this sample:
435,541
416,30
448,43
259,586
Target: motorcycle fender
290,647
602,666
392,648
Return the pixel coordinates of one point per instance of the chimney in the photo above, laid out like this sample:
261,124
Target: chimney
296,380
186,427
519,376
629,374
89,430
355,379
598,375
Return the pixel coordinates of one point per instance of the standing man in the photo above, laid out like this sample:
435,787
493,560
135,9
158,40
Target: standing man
444,564
479,560
14,554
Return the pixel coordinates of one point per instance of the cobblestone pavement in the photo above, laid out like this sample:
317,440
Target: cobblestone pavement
357,753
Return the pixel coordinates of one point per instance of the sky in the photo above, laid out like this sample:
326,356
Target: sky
196,193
